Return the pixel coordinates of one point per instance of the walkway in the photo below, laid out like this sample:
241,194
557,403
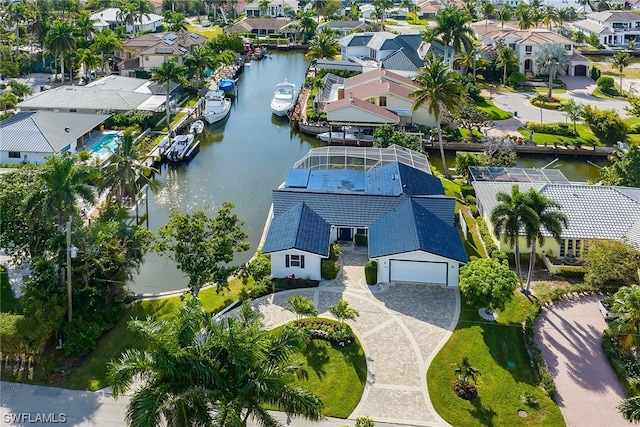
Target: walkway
569,334
401,329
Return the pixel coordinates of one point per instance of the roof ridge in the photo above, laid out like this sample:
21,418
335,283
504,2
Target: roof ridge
299,225
32,118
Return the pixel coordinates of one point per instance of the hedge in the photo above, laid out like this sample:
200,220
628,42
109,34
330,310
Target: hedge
371,272
561,129
361,240
329,269
489,244
573,272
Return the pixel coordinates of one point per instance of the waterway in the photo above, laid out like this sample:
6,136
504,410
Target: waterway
245,158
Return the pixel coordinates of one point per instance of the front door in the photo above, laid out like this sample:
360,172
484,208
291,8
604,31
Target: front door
344,234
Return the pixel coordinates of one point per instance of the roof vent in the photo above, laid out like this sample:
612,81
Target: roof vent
67,130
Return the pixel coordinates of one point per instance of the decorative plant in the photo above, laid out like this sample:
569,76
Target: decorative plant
466,373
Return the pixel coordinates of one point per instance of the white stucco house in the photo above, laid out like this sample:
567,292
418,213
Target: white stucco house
113,17
396,203
276,8
613,27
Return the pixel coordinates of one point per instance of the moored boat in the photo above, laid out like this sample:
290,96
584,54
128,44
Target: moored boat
196,127
183,147
313,128
284,98
346,138
226,85
216,106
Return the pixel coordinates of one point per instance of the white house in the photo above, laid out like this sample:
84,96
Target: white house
31,137
113,17
613,27
275,9
395,203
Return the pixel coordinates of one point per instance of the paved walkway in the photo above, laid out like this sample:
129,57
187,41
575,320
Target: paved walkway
401,329
569,334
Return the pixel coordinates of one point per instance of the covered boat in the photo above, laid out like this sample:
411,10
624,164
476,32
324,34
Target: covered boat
226,85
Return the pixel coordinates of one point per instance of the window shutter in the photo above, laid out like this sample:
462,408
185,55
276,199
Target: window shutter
301,261
286,261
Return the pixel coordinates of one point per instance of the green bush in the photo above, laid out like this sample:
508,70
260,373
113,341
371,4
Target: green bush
605,83
595,73
573,272
361,240
561,129
471,200
467,190
486,236
371,272
329,269
546,379
517,78
605,124
474,211
334,252
81,337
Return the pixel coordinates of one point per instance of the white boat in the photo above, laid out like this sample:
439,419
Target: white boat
183,147
284,99
196,127
313,128
216,106
346,138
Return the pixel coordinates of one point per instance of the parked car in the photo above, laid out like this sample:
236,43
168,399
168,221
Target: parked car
605,310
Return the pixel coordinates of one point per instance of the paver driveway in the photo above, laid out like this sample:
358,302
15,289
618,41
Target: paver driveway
569,334
401,329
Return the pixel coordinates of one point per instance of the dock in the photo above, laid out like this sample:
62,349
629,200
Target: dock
559,150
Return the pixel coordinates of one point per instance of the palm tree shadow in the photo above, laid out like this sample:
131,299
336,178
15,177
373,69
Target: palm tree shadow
317,356
484,415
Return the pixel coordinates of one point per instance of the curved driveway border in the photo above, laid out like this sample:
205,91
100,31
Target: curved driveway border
569,334
401,329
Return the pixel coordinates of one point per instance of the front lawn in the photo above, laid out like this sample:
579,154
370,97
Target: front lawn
208,32
584,135
92,374
496,113
497,349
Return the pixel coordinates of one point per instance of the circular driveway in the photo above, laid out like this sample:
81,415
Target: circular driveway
569,334
401,329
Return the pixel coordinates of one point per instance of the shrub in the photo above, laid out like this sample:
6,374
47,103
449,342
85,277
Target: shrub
371,272
546,379
467,190
361,240
595,73
573,272
489,244
474,211
605,83
516,78
334,252
471,200
329,269
605,124
364,422
81,337
561,129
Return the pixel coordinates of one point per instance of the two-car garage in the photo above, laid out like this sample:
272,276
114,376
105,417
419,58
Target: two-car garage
418,271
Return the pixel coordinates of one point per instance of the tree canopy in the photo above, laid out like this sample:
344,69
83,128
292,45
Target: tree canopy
624,171
486,282
611,261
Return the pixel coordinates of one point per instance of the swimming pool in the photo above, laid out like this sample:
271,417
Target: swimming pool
106,144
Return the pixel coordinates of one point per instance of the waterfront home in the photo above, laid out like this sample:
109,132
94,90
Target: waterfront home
613,27
527,43
275,9
382,198
261,27
593,211
113,18
31,137
342,28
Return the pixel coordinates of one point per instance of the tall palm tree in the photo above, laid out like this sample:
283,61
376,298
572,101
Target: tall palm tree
525,17
8,101
504,14
507,57
627,302
487,9
62,182
318,6
451,30
263,6
550,221
323,45
84,25
549,15
507,219
308,25
620,61
169,71
105,43
573,110
199,371
470,60
630,409
125,172
88,59
551,58
60,40
381,7
199,59
19,89
175,21
440,91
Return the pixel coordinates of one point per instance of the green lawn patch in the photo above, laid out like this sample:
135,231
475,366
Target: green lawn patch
545,90
599,94
92,374
584,135
550,105
8,301
498,351
208,32
496,113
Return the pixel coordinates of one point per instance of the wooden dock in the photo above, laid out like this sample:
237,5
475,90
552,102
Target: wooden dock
559,150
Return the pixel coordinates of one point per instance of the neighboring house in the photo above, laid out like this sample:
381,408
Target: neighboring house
374,98
112,18
157,6
396,203
401,53
276,8
149,51
31,137
593,211
260,26
527,42
427,9
343,28
112,93
613,27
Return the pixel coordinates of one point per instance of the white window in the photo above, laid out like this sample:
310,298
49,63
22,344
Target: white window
294,261
528,49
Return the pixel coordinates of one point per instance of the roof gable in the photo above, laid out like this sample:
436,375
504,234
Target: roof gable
299,228
380,113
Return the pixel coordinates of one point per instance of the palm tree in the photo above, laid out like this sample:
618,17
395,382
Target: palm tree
549,15
564,15
263,5
487,9
318,6
84,25
466,372
440,91
343,311
323,45
60,40
573,110
525,17
451,30
504,14
19,89
202,371
88,59
8,101
308,25
470,60
620,61
125,172
200,58
167,73
354,10
301,307
626,302
175,21
381,7
507,57
105,42
507,219
551,58
630,409
62,182
550,221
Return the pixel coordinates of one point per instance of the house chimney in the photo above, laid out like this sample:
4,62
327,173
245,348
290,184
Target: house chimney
341,93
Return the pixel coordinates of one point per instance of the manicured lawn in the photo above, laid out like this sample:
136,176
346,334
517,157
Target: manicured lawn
208,32
496,113
584,134
498,351
551,105
545,90
91,375
599,94
8,302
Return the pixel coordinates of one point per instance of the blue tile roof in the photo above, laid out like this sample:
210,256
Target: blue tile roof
411,227
299,228
396,178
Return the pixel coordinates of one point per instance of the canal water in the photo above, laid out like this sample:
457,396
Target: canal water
246,157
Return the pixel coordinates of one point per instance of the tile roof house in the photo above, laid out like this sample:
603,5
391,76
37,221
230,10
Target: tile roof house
343,28
110,18
593,212
276,8
401,53
149,51
260,26
403,211
526,43
31,137
613,27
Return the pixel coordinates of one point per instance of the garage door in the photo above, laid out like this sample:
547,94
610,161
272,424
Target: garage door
418,271
580,70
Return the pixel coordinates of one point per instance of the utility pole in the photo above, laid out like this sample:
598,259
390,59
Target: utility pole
69,297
